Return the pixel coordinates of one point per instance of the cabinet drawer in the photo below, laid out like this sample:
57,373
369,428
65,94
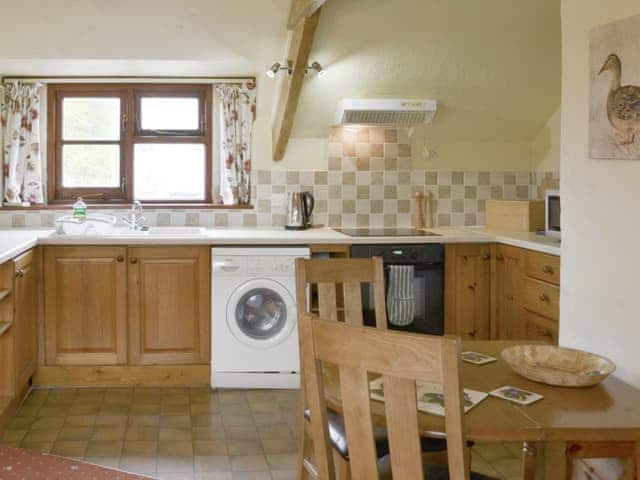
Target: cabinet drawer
543,267
542,298
540,328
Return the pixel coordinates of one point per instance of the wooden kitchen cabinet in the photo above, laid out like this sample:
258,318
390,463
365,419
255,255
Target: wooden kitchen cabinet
507,271
169,306
541,296
85,305
467,290
525,297
25,317
500,292
7,370
127,306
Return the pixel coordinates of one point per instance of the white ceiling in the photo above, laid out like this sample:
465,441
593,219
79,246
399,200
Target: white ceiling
141,37
494,65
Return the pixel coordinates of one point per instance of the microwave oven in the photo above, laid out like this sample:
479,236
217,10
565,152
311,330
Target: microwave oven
552,213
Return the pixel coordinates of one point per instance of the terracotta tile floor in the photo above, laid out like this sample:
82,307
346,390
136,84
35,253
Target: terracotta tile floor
185,433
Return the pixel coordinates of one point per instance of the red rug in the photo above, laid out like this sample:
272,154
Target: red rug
19,464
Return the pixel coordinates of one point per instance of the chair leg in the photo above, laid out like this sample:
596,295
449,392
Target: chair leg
634,462
529,461
304,452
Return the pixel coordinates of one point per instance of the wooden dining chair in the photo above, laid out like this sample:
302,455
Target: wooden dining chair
338,285
401,359
337,295
345,303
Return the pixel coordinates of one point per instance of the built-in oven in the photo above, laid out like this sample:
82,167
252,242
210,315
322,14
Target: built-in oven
428,283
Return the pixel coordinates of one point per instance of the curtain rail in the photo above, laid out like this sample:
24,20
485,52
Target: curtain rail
128,79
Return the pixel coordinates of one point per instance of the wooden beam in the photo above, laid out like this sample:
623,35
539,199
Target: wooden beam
301,9
291,86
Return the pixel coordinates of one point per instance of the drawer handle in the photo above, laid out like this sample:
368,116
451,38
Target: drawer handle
472,333
120,258
543,297
510,297
20,273
548,269
134,260
472,287
486,256
499,257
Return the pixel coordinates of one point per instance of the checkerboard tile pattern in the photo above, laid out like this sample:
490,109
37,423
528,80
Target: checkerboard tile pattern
169,433
368,182
186,433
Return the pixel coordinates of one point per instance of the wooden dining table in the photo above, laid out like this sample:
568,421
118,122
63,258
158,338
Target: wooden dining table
602,420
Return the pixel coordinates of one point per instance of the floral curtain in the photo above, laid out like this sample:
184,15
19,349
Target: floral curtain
237,112
20,120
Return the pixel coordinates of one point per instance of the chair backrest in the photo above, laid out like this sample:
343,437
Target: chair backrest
351,274
401,359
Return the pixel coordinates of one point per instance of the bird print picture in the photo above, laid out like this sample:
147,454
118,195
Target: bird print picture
614,120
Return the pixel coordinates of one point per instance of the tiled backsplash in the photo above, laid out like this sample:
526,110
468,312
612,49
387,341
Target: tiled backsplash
368,182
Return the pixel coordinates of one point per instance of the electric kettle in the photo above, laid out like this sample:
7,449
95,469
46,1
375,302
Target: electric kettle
299,210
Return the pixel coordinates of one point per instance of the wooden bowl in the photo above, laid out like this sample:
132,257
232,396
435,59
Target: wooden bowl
563,367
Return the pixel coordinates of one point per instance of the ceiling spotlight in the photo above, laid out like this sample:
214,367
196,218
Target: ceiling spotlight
317,67
275,68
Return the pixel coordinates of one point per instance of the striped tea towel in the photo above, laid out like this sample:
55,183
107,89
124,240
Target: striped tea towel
400,296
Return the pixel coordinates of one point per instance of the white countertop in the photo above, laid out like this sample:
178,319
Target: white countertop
15,241
530,240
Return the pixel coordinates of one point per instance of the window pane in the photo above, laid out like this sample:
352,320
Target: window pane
164,171
90,118
171,114
91,166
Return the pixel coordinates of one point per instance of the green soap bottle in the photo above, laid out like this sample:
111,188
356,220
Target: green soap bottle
80,209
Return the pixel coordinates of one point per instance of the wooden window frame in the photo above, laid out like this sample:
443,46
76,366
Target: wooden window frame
130,96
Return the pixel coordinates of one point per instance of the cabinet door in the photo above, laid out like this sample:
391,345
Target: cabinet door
467,291
85,305
169,307
25,317
507,274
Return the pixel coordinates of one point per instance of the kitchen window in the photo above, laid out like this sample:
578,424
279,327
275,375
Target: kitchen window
115,143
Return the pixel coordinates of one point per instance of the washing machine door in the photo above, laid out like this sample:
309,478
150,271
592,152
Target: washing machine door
261,313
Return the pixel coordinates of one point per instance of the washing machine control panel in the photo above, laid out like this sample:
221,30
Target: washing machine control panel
281,266
278,266
230,266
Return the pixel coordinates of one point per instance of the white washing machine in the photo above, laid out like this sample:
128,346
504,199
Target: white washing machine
254,334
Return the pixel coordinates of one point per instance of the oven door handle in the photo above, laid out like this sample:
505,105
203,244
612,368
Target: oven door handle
417,265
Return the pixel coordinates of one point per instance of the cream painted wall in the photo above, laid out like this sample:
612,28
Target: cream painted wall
545,148
600,304
494,66
301,154
470,156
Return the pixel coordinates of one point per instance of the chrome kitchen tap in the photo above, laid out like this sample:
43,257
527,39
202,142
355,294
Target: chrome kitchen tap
134,218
